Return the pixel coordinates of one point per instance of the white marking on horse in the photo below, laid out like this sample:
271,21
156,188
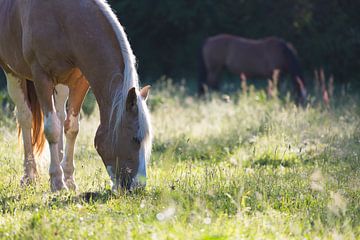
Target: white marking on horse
68,165
74,124
60,97
23,112
112,178
52,127
140,179
24,118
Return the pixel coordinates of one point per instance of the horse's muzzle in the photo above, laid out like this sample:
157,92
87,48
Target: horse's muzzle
125,181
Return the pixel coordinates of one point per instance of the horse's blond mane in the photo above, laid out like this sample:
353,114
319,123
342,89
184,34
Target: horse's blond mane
130,80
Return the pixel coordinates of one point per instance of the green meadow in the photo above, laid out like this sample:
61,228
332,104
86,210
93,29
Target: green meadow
239,166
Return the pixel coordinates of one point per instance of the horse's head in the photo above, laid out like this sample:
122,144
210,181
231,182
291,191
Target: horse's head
125,158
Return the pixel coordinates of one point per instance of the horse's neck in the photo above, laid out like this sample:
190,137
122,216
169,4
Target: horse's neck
100,59
105,90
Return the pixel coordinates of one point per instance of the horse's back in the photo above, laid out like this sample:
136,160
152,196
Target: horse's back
59,35
254,57
215,50
248,56
27,26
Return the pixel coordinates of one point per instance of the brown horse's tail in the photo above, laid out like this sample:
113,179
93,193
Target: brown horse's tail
296,72
37,134
292,60
202,71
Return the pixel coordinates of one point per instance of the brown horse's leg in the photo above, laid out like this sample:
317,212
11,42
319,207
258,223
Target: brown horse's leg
76,96
52,127
17,92
213,80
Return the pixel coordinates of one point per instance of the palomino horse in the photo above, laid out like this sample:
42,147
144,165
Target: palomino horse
253,58
75,44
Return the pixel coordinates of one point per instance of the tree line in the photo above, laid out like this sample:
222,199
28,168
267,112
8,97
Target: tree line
166,35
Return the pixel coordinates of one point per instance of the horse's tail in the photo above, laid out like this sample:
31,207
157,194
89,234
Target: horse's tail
37,134
202,70
292,60
295,70
292,48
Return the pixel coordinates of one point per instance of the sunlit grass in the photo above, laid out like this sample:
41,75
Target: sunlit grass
222,168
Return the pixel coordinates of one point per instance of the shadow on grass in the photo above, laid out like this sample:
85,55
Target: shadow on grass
10,204
274,162
95,197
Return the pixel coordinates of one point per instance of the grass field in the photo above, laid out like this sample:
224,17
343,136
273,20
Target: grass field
245,168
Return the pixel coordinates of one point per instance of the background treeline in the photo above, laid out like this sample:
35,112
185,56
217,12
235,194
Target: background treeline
166,35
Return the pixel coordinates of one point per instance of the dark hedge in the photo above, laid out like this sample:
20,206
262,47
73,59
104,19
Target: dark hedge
166,35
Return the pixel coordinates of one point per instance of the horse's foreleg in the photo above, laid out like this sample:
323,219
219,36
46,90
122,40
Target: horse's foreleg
60,96
52,126
212,80
17,91
71,127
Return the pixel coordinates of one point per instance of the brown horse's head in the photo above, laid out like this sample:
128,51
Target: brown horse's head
125,153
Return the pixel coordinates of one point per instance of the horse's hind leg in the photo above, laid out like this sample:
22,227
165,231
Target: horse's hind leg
61,94
71,126
212,78
18,93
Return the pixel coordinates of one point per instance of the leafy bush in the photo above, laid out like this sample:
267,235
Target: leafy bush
89,104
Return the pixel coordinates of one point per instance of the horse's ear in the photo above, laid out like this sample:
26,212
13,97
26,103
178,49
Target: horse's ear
144,92
131,100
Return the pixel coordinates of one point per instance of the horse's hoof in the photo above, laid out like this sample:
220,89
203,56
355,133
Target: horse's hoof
138,184
27,180
70,183
57,184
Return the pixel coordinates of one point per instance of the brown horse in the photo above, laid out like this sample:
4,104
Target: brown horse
52,51
253,58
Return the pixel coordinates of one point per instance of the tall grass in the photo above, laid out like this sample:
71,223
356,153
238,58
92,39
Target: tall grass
240,166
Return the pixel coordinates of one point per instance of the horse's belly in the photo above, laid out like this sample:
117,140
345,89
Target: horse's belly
254,66
11,57
249,70
17,66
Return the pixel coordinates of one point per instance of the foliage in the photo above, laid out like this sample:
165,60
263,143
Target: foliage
89,104
247,167
6,108
167,35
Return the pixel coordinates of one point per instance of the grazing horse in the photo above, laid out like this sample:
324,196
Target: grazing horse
54,50
253,58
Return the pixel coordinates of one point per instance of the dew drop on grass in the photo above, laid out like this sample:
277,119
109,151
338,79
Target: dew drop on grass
207,220
160,217
166,214
142,204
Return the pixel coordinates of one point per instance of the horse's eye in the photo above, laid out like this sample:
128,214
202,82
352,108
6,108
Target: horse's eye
136,140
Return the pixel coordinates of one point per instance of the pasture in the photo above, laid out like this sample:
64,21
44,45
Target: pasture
233,168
